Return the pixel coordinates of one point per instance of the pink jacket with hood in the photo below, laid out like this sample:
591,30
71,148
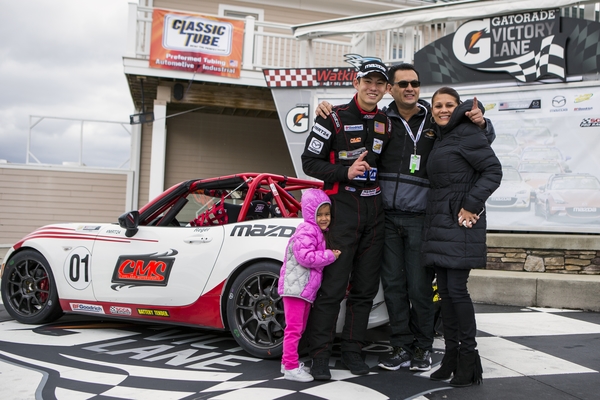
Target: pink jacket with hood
306,253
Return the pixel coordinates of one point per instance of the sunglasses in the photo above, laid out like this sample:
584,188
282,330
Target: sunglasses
404,84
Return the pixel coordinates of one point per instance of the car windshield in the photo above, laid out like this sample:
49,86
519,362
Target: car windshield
547,168
509,161
575,183
541,154
504,140
533,133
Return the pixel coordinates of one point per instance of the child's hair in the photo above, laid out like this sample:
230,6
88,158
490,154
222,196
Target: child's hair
328,240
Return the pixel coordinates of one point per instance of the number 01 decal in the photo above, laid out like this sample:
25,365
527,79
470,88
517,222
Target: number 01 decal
77,268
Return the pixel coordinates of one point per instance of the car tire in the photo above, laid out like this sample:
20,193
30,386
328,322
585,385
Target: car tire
547,215
29,290
255,310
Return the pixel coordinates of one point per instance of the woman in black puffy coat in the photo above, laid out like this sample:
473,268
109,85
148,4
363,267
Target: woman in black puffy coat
463,171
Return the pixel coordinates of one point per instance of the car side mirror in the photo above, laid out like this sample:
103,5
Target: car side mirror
130,221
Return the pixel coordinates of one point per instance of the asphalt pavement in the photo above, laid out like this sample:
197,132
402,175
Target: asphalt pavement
527,353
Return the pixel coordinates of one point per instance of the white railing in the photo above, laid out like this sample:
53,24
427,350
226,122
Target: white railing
77,142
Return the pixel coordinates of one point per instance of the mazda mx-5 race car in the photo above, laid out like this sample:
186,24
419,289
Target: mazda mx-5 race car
204,253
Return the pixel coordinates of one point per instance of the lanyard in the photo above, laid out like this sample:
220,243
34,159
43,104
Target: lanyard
412,136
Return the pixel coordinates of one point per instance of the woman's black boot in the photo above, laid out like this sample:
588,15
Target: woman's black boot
448,367
469,370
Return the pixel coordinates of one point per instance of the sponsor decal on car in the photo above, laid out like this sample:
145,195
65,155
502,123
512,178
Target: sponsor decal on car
91,308
89,228
143,270
120,310
151,312
263,230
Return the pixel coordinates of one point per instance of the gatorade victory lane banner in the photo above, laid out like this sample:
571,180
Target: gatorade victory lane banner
196,43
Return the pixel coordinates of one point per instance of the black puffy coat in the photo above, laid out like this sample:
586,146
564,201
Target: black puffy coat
463,172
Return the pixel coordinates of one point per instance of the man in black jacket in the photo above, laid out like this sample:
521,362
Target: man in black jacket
404,185
343,150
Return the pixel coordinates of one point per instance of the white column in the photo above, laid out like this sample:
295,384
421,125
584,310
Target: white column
159,143
131,42
248,53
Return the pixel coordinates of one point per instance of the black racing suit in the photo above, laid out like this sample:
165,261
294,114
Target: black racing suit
357,222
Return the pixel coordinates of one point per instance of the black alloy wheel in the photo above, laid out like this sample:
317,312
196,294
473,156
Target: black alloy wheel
29,290
255,311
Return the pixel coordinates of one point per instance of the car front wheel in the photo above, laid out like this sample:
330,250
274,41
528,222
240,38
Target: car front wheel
29,290
255,311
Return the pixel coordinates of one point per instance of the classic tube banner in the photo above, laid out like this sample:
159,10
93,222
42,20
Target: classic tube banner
196,43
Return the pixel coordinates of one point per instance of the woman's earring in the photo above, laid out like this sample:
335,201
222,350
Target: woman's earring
431,119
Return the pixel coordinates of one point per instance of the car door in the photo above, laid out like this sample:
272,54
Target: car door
159,265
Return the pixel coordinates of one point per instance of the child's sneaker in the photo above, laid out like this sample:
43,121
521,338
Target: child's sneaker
297,374
304,367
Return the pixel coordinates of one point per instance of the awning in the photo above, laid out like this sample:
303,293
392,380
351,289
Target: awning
468,9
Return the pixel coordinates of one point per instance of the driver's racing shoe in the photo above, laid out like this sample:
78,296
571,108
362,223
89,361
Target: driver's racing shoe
320,369
354,362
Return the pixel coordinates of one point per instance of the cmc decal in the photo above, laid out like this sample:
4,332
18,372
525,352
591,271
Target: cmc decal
296,119
143,270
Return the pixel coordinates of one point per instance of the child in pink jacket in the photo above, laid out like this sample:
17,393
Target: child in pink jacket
301,274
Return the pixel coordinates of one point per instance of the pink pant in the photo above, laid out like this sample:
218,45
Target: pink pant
296,315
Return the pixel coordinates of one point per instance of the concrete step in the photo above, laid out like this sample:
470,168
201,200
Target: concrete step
535,289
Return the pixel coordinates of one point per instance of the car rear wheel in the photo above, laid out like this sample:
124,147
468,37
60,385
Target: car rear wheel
255,311
29,290
547,214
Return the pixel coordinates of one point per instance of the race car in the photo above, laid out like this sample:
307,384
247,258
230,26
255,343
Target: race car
205,253
570,196
513,193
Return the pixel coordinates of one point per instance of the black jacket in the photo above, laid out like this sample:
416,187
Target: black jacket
463,172
336,142
405,192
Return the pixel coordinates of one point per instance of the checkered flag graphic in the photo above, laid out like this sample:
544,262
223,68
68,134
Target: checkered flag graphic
529,67
294,77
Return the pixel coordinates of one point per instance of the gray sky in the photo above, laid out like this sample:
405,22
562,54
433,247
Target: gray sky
63,58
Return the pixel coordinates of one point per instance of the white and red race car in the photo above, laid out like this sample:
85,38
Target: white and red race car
204,253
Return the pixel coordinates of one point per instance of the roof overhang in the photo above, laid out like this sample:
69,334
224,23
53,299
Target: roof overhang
460,10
